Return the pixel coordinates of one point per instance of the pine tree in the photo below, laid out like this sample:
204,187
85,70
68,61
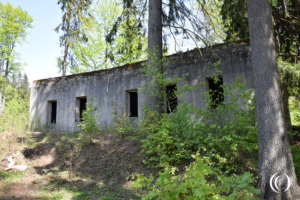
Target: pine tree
274,151
73,11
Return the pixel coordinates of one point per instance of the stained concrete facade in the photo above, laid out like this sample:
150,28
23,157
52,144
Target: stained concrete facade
113,85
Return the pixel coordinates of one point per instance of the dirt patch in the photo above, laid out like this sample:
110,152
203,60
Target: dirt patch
57,162
110,159
23,189
40,150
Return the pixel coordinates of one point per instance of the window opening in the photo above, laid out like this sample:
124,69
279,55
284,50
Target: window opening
216,92
53,111
133,103
80,107
171,97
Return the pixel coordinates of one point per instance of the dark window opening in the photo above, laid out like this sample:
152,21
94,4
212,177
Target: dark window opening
53,105
133,104
216,92
172,102
82,107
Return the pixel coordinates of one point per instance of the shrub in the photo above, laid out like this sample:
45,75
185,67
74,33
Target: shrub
89,123
295,111
221,134
200,181
296,158
122,123
165,140
15,117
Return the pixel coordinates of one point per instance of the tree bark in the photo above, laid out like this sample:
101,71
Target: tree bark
155,46
67,42
3,92
274,152
286,108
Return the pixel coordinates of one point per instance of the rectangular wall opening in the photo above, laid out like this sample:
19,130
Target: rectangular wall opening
53,111
171,97
80,107
133,103
216,92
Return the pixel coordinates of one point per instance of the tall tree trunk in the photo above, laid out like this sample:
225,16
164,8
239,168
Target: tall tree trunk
155,45
67,44
3,91
155,28
1,87
1,105
64,64
283,80
286,108
274,152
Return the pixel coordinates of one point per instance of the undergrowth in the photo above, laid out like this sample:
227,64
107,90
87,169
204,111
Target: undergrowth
225,134
199,181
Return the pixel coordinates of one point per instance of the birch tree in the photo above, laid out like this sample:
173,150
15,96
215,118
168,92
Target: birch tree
14,23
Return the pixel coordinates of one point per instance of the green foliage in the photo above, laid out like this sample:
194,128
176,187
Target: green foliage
157,86
89,124
127,46
14,23
286,24
235,19
165,140
295,111
296,158
122,123
200,181
212,21
15,117
291,73
172,138
73,13
230,125
8,177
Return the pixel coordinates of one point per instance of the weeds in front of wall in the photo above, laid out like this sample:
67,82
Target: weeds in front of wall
88,125
122,124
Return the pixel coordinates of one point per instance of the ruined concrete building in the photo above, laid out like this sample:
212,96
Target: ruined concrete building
59,102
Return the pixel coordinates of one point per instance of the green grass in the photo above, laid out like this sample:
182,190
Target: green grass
57,187
8,177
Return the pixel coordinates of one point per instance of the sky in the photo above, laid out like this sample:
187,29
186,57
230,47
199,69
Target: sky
41,49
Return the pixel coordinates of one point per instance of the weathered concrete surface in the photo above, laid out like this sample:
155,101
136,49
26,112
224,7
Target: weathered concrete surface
111,85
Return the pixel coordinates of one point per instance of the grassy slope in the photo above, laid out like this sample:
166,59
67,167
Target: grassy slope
99,170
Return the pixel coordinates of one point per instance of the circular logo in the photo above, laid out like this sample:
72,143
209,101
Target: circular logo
273,182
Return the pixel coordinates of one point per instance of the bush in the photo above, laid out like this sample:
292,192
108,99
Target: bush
89,122
295,111
200,181
122,123
165,141
296,158
15,117
222,134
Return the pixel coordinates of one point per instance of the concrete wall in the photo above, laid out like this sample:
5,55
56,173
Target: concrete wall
111,85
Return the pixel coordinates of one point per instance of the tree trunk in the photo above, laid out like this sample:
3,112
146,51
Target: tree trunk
3,92
155,46
64,64
1,88
286,108
274,152
1,105
67,42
